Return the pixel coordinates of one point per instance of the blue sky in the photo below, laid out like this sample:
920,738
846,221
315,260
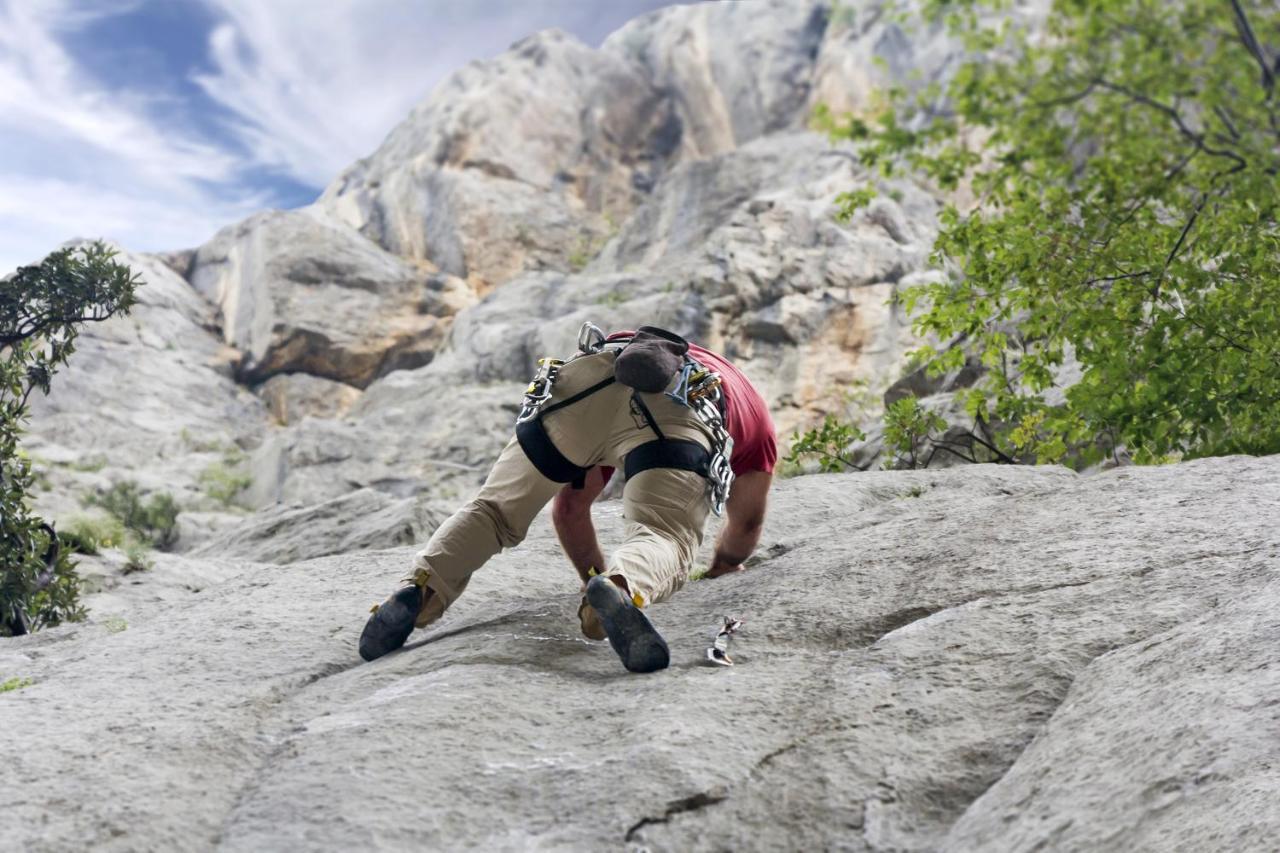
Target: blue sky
156,122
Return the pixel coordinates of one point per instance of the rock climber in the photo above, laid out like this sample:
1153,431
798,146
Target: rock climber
664,411
755,452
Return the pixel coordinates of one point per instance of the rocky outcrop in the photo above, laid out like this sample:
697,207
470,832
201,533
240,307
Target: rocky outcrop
530,160
992,657
300,295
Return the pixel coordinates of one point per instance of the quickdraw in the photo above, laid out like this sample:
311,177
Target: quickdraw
539,390
705,395
718,654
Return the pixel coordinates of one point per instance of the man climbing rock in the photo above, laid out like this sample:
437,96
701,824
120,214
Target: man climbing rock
755,452
645,402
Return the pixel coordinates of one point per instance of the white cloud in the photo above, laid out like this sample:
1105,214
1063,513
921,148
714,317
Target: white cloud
39,214
79,160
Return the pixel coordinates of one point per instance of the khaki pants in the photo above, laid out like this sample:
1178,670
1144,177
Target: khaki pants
665,509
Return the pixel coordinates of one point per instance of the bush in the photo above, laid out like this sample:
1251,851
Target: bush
85,535
830,444
154,522
42,308
137,558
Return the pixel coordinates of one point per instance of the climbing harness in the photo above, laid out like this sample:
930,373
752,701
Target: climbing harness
698,389
718,654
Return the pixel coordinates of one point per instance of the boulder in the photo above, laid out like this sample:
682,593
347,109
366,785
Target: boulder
298,294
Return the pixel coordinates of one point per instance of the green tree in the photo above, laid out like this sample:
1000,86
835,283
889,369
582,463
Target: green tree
1124,161
41,310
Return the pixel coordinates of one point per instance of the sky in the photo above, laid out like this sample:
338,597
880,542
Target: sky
154,123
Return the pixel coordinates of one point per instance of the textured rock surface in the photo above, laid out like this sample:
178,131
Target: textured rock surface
1012,659
301,295
290,397
148,397
362,520
597,130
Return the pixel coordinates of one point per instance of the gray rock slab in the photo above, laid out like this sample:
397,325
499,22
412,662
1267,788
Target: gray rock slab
365,519
930,659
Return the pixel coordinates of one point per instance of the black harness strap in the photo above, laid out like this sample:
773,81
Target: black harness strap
662,453
581,395
648,415
546,457
669,453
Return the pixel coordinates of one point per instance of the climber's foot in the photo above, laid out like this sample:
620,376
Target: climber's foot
391,623
630,632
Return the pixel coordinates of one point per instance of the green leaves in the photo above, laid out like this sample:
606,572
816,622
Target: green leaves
152,522
908,426
1127,178
829,444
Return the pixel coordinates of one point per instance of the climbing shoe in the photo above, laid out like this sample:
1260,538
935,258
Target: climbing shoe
589,620
391,623
632,636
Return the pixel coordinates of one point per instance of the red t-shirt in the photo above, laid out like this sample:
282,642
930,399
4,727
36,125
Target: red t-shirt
755,443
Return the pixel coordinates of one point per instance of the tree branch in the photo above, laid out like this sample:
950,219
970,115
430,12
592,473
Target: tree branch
1250,42
1196,139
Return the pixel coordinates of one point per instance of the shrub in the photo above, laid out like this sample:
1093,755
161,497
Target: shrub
154,521
137,558
829,443
86,535
42,308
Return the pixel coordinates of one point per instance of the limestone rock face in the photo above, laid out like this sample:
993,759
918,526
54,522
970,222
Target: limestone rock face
148,397
736,71
980,658
293,396
514,163
531,160
301,295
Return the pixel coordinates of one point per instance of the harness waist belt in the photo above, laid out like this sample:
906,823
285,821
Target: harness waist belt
669,453
546,457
